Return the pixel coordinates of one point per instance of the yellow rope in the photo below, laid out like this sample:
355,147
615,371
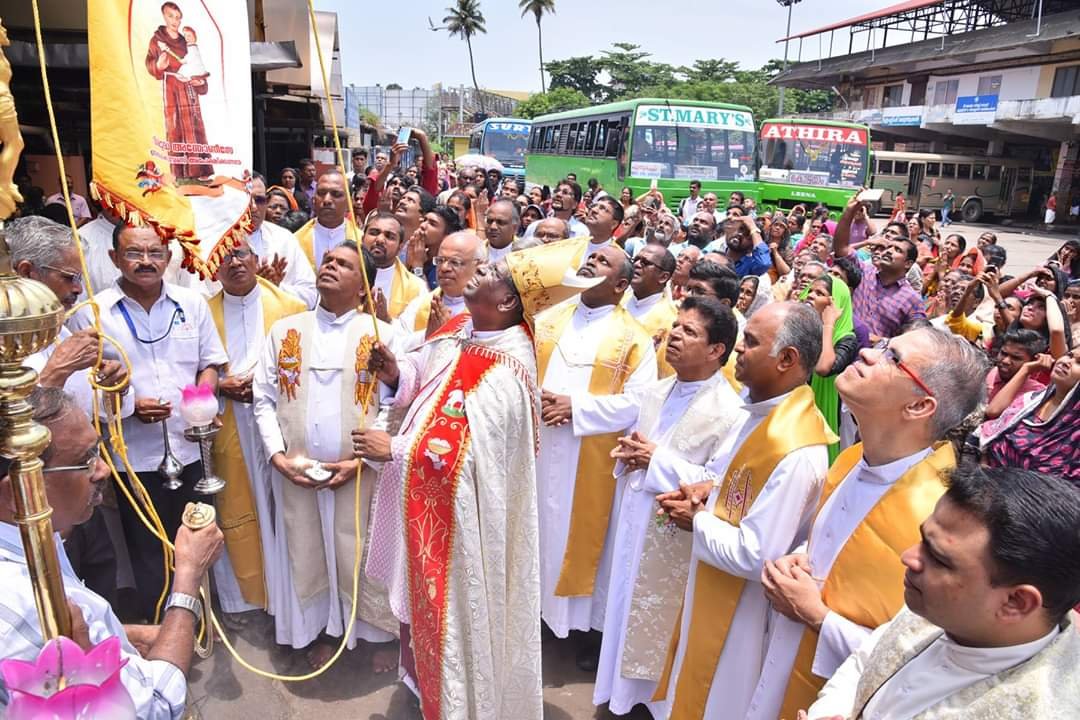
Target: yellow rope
147,513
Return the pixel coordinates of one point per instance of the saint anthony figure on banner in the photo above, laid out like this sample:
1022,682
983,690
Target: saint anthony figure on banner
166,60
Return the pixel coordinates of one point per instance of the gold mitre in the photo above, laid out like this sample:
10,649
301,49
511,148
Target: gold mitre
547,274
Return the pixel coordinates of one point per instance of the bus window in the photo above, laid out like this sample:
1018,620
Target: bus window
963,171
995,173
556,139
590,138
884,167
703,151
571,139
948,170
900,167
474,140
933,169
582,145
978,172
601,138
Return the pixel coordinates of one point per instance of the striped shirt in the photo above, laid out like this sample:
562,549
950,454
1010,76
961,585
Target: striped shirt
885,308
157,688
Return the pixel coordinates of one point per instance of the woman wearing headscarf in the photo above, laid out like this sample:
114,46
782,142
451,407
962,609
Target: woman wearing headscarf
832,300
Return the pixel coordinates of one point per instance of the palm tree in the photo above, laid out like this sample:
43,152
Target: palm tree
538,8
464,21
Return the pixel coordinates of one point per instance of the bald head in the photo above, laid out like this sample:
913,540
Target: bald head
459,255
551,230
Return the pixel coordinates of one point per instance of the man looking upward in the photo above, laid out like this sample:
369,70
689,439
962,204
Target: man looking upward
330,226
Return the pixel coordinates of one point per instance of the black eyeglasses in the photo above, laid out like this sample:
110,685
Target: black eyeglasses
640,260
237,254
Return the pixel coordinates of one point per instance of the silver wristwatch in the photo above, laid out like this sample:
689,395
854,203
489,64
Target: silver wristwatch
418,271
189,602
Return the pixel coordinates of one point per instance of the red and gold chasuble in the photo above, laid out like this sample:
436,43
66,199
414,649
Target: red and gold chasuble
434,465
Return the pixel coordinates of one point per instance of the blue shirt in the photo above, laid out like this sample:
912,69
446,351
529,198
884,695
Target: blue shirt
756,262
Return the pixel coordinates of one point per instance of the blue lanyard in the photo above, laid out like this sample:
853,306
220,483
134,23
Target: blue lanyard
178,311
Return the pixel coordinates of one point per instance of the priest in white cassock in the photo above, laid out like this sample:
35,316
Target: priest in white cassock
455,535
590,345
243,312
281,261
830,594
648,300
988,630
750,502
459,255
331,225
311,389
687,416
383,237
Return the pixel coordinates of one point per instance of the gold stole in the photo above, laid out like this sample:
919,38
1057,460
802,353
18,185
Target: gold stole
305,236
619,353
866,583
403,289
424,311
657,321
235,504
792,425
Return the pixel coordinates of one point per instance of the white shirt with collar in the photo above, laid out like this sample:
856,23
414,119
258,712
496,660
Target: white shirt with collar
944,668
497,254
324,239
186,343
78,383
157,688
271,240
778,520
640,308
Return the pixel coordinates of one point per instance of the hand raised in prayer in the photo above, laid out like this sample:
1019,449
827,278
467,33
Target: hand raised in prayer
383,363
371,444
634,450
236,387
274,270
344,471
555,409
438,316
796,596
381,310
416,250
152,410
480,207
77,352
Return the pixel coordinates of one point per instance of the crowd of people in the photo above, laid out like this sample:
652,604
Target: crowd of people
756,465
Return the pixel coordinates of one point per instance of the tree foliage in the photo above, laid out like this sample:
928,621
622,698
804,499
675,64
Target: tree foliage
554,100
464,21
538,8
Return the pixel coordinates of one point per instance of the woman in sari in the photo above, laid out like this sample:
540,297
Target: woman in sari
1042,432
832,300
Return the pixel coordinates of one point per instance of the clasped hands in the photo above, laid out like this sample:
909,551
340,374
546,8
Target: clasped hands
793,591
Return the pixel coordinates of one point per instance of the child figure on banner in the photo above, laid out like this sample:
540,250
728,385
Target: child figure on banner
192,66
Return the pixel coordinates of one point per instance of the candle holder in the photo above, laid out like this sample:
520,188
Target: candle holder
199,407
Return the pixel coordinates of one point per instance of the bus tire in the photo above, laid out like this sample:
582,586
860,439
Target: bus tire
972,211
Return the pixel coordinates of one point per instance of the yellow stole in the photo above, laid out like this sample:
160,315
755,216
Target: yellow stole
404,288
235,504
866,583
624,345
792,425
424,311
305,236
658,322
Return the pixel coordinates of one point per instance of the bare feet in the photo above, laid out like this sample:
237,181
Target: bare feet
384,659
319,654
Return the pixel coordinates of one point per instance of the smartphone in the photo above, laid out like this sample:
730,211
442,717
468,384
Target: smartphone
403,135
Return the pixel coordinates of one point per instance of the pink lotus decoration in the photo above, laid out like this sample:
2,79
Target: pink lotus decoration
199,405
66,684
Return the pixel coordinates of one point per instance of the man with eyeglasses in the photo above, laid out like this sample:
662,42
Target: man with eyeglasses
647,302
169,338
830,594
281,261
156,657
564,203
459,255
310,390
592,345
243,312
331,225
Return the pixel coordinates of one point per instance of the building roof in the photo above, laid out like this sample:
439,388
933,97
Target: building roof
877,14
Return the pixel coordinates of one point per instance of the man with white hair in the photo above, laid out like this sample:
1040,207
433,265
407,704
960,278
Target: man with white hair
459,255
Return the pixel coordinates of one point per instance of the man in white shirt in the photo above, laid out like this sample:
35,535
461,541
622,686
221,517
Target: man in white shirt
459,256
987,631
79,207
500,227
905,396
564,203
157,657
383,237
281,261
689,205
751,501
331,225
171,341
96,237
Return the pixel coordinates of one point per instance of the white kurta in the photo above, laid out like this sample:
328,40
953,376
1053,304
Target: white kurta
942,669
406,321
839,637
568,373
324,239
298,624
640,308
778,520
636,510
244,338
497,254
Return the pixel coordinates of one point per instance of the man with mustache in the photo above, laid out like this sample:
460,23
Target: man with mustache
243,312
383,237
311,389
169,338
646,300
331,225
592,345
564,203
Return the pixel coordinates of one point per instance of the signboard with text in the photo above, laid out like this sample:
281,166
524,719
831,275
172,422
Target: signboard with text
821,133
694,117
975,109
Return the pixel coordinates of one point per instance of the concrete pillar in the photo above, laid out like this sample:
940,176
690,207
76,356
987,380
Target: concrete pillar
995,148
1063,177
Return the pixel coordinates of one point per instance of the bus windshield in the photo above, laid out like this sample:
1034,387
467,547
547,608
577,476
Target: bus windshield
506,142
816,155
692,143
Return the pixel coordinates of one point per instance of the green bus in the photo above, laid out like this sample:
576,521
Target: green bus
811,161
639,142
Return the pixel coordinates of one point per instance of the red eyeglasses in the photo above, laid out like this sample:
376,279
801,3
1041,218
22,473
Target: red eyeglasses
891,355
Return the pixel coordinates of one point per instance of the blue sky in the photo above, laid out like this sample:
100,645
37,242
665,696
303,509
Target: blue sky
385,42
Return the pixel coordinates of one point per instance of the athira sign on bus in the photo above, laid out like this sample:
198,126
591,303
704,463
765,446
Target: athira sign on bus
694,117
821,133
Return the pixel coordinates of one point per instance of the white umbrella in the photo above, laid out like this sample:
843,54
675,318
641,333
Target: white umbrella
483,162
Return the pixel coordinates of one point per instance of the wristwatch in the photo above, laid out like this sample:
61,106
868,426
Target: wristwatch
1001,305
189,602
418,271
